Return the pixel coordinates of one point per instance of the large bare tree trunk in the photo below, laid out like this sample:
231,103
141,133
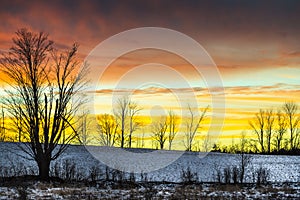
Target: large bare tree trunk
44,167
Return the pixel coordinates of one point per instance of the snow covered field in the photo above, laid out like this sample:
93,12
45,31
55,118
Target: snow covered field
283,176
280,168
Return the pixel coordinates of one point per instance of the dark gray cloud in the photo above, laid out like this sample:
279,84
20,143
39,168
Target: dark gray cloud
234,24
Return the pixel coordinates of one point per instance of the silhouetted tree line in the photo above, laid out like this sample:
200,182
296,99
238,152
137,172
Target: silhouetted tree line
276,132
118,129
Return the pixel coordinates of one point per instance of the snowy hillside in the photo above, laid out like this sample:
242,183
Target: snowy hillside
280,168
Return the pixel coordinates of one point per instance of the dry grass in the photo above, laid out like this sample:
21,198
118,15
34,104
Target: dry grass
44,190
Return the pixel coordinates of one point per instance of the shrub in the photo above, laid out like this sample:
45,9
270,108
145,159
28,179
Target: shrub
95,173
66,170
69,170
235,174
144,177
187,176
262,175
227,174
218,175
132,177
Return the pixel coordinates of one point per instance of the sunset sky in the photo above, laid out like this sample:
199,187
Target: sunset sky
254,44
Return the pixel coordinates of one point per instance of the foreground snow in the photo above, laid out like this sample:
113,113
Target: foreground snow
157,191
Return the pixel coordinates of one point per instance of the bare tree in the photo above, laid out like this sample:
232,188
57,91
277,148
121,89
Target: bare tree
192,126
281,130
291,111
270,119
83,128
2,126
207,143
159,129
243,142
134,124
42,81
244,161
258,125
141,140
172,123
243,158
108,129
121,113
126,112
19,127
